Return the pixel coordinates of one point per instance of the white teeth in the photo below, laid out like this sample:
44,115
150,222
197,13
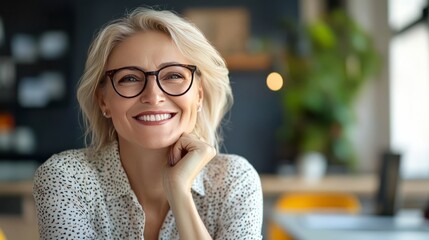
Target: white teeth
155,117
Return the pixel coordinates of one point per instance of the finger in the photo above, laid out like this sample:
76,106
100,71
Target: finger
176,153
179,149
185,144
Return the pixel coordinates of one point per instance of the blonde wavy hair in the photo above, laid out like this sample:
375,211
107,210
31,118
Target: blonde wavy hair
191,43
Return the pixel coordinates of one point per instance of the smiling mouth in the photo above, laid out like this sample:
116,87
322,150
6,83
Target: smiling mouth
154,117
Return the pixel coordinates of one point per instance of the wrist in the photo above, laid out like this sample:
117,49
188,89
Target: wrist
175,191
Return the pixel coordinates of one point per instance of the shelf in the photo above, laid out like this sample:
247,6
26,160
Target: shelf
248,62
362,185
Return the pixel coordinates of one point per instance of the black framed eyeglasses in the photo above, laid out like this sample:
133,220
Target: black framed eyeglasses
173,79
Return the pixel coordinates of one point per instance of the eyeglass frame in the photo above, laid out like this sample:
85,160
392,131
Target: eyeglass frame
192,68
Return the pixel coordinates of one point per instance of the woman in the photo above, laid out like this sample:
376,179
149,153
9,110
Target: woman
153,94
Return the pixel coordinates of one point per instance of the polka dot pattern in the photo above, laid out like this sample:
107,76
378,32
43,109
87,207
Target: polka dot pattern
80,195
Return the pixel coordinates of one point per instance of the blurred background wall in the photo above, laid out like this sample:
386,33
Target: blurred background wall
43,47
55,125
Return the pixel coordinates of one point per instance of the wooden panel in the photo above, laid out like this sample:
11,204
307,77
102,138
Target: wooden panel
226,28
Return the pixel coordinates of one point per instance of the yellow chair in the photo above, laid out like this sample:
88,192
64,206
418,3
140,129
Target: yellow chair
2,236
311,202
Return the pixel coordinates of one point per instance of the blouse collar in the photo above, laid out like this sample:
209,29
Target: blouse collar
110,167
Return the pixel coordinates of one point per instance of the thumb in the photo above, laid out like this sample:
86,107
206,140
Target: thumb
176,153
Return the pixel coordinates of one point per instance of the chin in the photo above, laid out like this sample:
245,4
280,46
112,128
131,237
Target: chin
154,144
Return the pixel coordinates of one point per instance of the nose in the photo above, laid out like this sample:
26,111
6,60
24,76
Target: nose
152,94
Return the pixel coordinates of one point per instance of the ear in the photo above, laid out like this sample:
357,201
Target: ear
100,94
200,95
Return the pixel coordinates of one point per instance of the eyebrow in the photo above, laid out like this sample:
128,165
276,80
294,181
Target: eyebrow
143,69
168,63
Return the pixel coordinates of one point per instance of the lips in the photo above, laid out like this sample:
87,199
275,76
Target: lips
154,117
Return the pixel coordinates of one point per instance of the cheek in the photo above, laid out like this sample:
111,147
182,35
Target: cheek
118,110
190,114
119,120
192,120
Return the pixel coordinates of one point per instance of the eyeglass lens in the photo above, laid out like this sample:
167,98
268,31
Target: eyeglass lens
174,80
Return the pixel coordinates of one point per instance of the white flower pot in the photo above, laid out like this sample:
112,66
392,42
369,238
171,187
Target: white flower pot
312,166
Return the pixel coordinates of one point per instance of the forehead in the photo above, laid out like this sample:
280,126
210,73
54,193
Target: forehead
148,50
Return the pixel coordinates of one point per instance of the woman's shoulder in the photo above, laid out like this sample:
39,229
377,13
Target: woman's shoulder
73,161
230,166
231,161
229,178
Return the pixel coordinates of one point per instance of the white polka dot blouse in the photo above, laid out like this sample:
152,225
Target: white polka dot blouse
83,196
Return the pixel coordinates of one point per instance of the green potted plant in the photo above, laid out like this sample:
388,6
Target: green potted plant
325,67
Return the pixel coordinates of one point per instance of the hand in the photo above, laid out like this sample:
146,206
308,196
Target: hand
188,156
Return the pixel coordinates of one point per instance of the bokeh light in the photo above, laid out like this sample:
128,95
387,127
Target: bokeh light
274,81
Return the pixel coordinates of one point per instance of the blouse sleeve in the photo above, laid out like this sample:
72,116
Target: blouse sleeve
60,205
242,210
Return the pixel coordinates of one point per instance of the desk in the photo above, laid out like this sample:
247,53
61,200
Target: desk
362,185
22,226
405,226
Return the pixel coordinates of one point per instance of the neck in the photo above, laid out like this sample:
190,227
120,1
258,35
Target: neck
144,169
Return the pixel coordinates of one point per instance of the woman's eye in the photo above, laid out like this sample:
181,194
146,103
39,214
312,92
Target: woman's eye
173,76
128,79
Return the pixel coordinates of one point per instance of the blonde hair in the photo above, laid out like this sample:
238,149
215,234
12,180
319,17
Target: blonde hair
190,42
